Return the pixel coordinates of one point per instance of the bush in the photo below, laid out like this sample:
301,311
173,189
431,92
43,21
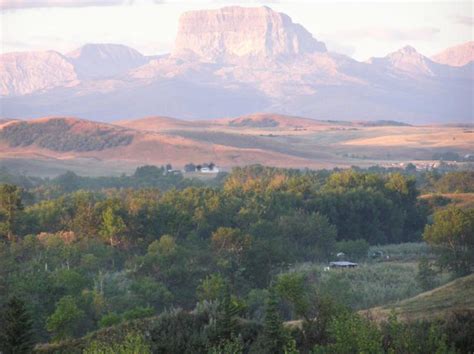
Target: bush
459,328
132,344
138,312
110,319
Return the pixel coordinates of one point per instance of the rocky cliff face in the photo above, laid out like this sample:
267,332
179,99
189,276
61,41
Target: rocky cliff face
231,34
24,73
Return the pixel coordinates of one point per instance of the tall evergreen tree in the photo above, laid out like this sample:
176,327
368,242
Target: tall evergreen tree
274,338
10,208
16,335
228,312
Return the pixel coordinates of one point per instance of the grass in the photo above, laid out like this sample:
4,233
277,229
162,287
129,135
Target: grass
375,282
457,295
409,251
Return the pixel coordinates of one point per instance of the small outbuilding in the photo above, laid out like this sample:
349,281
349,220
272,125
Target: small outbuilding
342,264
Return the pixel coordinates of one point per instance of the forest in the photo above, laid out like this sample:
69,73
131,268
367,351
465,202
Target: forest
159,263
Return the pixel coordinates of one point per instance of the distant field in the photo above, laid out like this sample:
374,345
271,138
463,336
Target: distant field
437,303
53,167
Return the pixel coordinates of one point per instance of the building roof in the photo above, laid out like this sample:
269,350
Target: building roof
342,264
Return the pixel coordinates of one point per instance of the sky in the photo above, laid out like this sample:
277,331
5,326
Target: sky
358,29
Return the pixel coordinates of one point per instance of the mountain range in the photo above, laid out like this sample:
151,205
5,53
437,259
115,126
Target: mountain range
236,61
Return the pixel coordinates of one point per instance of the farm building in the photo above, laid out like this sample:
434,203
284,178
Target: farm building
342,264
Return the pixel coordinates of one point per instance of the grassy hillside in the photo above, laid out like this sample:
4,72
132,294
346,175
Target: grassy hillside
267,139
65,134
457,295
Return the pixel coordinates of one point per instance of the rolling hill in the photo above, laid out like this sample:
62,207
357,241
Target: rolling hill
457,295
267,139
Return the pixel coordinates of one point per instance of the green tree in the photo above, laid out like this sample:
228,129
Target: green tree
132,344
452,236
229,246
457,182
293,288
16,334
226,319
211,287
10,210
274,337
113,226
151,293
353,249
64,321
110,319
350,333
426,275
228,346
84,219
313,234
165,246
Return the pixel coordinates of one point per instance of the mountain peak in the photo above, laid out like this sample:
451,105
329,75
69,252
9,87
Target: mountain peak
232,33
98,60
406,60
407,50
458,55
103,49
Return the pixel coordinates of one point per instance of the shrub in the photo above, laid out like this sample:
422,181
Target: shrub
132,344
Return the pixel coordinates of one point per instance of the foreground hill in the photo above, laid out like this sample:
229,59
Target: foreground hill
439,303
268,139
457,295
235,61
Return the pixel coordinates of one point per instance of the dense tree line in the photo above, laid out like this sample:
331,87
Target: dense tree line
83,259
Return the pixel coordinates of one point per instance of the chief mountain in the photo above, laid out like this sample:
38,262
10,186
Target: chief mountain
235,61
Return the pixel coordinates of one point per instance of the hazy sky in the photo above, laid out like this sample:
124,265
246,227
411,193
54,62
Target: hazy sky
358,29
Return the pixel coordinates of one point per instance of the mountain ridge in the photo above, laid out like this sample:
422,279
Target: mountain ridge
245,60
458,55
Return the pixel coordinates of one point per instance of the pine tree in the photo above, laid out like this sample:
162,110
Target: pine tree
16,335
228,312
10,209
274,338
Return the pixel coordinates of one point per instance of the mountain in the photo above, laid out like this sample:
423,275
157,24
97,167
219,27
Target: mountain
234,33
234,62
24,73
407,60
459,55
94,61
